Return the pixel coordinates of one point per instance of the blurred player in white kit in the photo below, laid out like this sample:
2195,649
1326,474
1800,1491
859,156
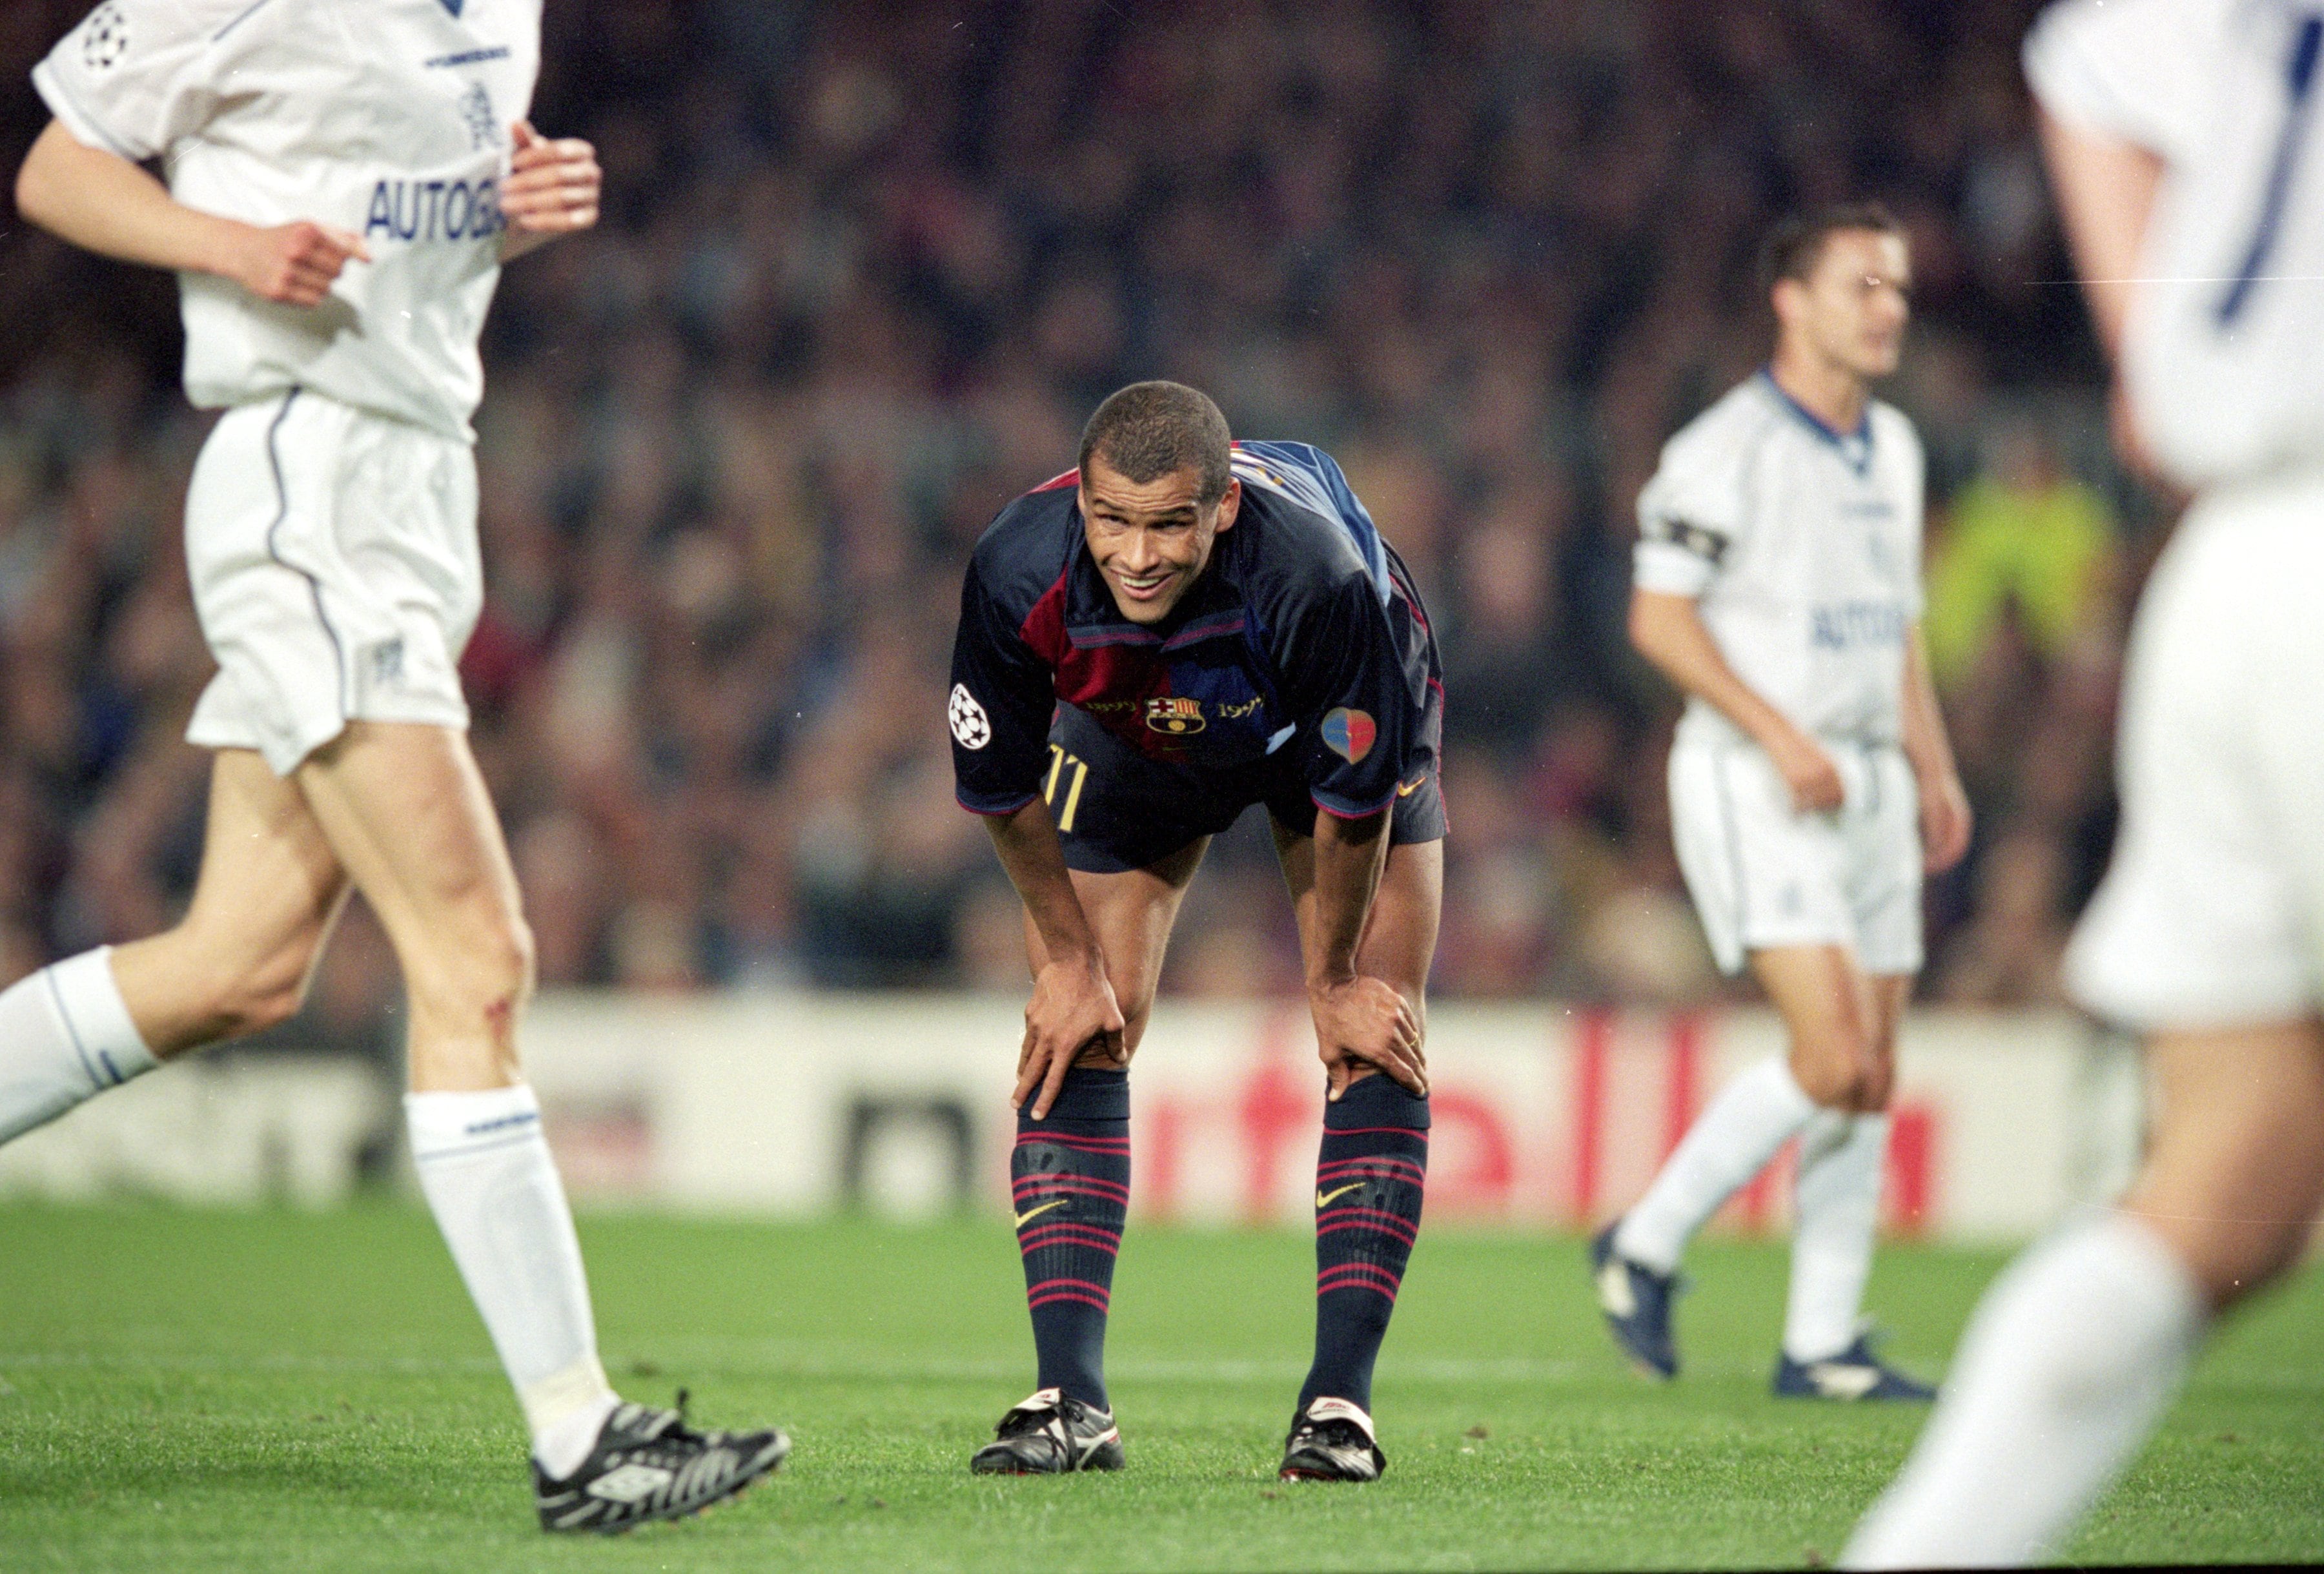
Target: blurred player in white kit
2184,142
344,182
1778,584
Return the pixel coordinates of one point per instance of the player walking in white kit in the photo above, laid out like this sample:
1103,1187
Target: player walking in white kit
343,180
2184,140
1778,583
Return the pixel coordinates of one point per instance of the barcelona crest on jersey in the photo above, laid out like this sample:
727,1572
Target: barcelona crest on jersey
1174,714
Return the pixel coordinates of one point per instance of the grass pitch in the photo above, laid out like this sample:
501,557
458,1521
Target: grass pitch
207,1390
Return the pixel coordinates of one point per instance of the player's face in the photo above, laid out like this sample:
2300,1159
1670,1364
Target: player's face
1151,538
1853,305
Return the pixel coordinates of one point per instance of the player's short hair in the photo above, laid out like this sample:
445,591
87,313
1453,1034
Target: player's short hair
1151,430
1794,246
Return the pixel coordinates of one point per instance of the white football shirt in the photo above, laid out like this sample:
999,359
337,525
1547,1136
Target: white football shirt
386,117
2223,356
1802,548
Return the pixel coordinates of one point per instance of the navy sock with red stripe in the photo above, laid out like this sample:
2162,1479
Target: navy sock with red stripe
1069,1177
1368,1177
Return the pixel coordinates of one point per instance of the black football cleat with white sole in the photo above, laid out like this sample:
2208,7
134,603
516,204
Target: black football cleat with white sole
1854,1374
1050,1434
1332,1440
648,1464
1636,1301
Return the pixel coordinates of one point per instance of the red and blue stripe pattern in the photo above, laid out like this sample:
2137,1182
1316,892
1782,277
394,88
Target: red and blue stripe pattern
1069,1188
1371,1174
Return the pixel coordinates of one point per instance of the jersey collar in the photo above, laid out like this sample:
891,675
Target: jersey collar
1854,448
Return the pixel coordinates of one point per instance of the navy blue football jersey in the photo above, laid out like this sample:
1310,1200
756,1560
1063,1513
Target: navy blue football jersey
1299,635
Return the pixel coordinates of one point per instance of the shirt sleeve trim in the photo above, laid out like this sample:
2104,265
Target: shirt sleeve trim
1000,812
85,128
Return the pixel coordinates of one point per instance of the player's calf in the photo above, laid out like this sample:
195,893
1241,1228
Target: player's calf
1069,1188
66,1035
1370,1173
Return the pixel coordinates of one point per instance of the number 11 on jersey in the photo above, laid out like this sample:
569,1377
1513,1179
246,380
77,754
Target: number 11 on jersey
1058,760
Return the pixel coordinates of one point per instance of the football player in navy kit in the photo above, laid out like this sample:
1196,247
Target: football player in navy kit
1179,628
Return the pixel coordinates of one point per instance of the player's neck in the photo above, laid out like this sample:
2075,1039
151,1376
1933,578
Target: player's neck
1831,394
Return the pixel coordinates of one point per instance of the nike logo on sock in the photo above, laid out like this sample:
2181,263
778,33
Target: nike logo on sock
1037,1213
1325,1200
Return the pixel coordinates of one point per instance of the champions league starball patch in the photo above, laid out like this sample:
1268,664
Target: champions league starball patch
1348,733
970,725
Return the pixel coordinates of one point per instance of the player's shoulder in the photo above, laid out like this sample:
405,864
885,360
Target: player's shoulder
1892,427
1719,441
121,26
1303,529
1027,544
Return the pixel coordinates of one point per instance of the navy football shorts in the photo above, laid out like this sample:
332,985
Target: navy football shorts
1116,809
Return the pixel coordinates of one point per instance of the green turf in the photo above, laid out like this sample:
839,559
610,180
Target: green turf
221,1390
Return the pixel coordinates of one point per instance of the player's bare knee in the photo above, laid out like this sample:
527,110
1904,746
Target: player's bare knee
1829,1066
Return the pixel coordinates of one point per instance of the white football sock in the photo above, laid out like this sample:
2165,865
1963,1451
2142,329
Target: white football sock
490,1181
65,1035
2070,1362
1836,1204
1731,1141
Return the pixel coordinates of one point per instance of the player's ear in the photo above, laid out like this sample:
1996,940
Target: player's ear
1230,505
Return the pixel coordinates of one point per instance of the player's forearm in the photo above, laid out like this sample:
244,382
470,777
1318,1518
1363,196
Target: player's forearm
1350,855
1035,860
1669,632
2105,193
1926,747
104,203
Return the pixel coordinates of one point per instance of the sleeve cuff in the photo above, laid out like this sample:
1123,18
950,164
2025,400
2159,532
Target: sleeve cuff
1668,570
991,807
85,128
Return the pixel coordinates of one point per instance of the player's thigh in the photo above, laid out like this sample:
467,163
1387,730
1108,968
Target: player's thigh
2207,915
2235,1170
1761,874
1880,830
1829,1010
1132,912
1399,939
405,808
269,890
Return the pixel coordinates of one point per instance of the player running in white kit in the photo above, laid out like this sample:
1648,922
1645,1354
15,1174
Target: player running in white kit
2184,141
1778,583
344,182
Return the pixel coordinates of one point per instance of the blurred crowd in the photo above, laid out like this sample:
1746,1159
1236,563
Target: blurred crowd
864,271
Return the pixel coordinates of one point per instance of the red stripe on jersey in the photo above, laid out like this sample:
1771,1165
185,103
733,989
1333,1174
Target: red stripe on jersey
1057,482
1044,628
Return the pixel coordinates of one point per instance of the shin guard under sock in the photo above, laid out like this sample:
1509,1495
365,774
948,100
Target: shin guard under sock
1368,1177
1069,1183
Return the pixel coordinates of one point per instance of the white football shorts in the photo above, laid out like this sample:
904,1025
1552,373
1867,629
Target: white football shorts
1763,875
2213,913
335,571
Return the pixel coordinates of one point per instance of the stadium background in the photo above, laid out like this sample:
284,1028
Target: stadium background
863,270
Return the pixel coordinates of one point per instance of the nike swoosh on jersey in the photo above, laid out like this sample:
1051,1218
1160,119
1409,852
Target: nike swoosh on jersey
1404,789
1322,1200
1037,1213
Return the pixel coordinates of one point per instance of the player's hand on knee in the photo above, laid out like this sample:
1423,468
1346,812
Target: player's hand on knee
1364,1022
1808,771
295,264
554,183
1073,1011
